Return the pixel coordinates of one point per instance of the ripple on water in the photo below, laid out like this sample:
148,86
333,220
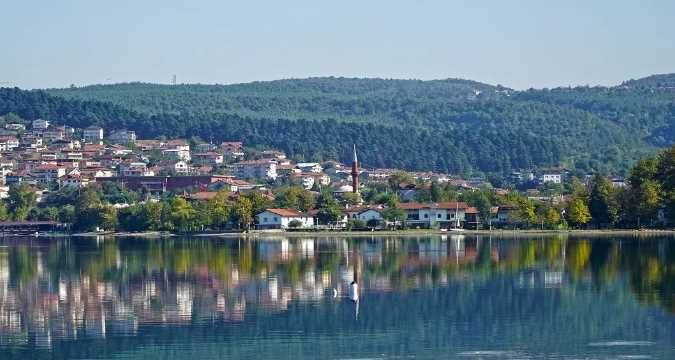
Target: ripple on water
621,343
489,353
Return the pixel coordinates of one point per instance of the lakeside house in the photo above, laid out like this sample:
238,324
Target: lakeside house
429,215
282,218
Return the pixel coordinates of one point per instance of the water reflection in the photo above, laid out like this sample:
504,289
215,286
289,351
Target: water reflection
60,292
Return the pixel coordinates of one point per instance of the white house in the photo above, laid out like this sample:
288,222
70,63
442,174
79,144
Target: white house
310,167
552,178
8,143
444,215
256,169
282,218
123,137
93,135
40,124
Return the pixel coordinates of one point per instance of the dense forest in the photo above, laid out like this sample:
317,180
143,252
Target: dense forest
455,126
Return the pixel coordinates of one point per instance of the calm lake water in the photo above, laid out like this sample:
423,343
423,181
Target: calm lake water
430,297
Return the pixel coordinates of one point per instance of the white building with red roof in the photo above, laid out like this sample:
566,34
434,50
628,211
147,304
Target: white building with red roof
283,219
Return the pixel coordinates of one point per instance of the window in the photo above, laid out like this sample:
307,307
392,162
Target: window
452,216
438,216
426,216
264,219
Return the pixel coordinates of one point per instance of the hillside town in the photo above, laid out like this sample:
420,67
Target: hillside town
48,160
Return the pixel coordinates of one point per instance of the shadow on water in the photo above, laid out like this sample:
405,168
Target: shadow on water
453,296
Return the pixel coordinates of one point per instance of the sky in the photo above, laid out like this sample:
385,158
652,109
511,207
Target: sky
519,44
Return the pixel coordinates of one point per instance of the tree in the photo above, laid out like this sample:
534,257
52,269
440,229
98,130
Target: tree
107,217
220,209
549,216
151,215
603,202
351,198
329,209
294,197
526,211
4,214
577,213
400,177
259,202
242,212
182,214
22,199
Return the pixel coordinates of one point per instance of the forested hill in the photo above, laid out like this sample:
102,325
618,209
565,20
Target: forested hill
458,126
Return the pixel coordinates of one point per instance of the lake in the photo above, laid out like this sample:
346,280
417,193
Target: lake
420,297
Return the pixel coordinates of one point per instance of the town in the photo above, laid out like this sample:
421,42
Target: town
56,177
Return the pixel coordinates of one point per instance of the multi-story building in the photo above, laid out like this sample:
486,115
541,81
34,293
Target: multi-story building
123,137
256,169
551,178
443,215
40,124
93,135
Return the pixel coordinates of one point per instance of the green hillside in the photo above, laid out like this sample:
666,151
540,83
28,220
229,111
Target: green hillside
452,125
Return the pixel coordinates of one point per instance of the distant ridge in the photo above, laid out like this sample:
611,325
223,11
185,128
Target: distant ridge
660,81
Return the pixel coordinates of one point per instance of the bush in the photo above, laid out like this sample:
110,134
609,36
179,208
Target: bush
295,224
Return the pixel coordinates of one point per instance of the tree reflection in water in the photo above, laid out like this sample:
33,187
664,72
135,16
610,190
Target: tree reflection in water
75,288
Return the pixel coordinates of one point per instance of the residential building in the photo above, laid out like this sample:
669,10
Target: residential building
40,124
48,173
123,137
427,215
93,135
8,143
135,169
282,218
310,167
256,169
551,178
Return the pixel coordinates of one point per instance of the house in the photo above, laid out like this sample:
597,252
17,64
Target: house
175,167
474,220
40,124
366,213
15,127
30,140
209,158
282,218
75,181
123,137
551,178
176,154
308,180
256,169
93,135
135,169
54,134
310,168
48,173
506,215
232,149
427,215
149,145
8,143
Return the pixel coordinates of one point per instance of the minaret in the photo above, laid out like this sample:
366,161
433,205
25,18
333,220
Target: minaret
355,172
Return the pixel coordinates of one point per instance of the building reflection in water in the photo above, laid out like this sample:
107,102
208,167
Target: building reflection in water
73,289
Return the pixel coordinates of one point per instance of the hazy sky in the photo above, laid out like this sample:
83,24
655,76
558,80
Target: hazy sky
539,43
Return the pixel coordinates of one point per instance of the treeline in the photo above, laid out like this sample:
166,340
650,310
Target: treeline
455,126
110,207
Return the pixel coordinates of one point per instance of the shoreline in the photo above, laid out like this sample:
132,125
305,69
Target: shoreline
411,232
